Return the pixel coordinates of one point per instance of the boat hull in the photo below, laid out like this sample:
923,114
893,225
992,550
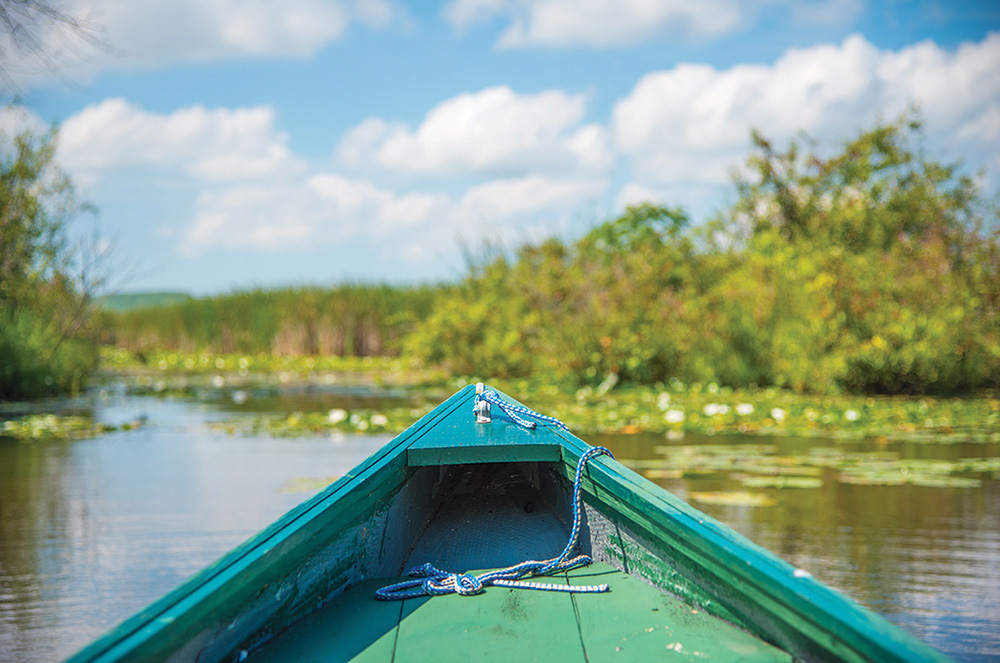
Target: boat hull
467,496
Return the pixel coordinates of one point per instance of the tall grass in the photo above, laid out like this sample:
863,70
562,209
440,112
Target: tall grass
345,320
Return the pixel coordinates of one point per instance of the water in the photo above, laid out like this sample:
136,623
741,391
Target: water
926,558
93,530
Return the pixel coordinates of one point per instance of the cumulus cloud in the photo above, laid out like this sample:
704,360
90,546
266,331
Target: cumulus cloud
691,123
597,23
506,198
379,14
248,190
328,209
533,160
210,144
158,33
16,120
491,132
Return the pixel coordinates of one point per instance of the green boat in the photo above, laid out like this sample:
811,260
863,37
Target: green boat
482,484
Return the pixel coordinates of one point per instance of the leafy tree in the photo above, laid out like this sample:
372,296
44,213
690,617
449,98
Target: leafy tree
876,251
46,301
874,269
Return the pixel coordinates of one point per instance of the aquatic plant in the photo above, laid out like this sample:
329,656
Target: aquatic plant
35,427
764,467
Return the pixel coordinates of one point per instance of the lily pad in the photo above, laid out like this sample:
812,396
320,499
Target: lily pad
733,498
662,473
782,482
307,484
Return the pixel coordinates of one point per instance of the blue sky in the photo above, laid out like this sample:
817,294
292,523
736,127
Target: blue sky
235,144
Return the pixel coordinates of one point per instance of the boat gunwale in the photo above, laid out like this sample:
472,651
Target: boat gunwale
143,625
802,609
853,628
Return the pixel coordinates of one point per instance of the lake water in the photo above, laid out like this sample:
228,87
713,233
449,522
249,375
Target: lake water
93,530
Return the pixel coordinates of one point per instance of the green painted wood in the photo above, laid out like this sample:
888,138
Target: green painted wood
499,625
352,627
638,622
277,577
632,622
687,552
207,615
457,439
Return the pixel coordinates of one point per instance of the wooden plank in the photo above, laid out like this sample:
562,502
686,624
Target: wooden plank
500,625
458,439
352,627
638,622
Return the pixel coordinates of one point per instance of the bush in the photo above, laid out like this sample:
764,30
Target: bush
873,270
45,342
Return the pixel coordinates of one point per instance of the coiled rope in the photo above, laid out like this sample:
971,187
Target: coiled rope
431,581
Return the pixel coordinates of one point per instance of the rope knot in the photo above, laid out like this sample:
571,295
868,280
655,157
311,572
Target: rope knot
467,584
513,411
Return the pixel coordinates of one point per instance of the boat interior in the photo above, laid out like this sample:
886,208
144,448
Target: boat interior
478,517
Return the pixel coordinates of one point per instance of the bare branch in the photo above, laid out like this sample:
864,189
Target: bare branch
36,37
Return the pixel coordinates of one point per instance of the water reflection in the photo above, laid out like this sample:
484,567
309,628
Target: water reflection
927,558
93,530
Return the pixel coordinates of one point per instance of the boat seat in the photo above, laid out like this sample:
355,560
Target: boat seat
632,622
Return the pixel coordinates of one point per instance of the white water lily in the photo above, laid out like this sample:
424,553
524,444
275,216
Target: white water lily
380,420
663,401
743,409
336,415
674,416
711,409
851,415
778,414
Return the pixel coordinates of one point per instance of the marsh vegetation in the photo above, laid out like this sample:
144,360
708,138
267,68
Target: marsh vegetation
870,269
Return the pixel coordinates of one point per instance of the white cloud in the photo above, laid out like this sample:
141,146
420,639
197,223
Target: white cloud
328,209
15,120
209,144
597,23
634,194
159,33
464,13
491,132
269,217
379,14
376,210
691,123
498,200
248,190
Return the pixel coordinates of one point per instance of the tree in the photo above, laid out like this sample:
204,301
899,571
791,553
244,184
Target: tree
873,269
46,285
876,261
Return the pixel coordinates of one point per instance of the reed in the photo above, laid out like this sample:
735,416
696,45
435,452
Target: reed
345,320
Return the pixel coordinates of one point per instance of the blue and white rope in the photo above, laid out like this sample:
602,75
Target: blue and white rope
513,411
431,581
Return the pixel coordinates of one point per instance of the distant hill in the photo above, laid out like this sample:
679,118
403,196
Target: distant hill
130,301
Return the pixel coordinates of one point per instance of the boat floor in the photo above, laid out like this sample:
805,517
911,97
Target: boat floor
632,622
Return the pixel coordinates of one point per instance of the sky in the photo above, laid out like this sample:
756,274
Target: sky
232,144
